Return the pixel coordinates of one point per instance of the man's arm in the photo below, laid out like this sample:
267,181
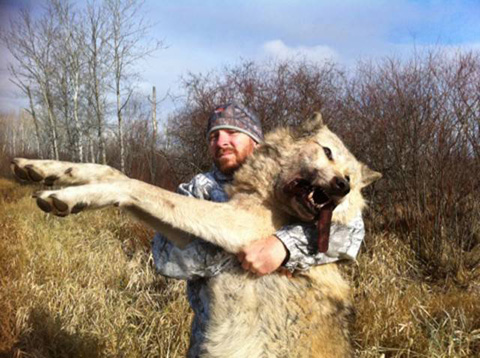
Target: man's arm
199,258
299,241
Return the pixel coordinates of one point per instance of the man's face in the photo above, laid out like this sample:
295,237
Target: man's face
229,149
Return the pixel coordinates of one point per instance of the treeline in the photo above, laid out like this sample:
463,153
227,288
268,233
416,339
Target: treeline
76,67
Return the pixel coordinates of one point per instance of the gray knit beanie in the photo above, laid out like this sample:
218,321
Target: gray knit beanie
236,117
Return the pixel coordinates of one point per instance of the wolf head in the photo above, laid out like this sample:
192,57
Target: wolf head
320,172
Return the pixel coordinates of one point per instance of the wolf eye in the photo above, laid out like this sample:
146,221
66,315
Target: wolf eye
328,153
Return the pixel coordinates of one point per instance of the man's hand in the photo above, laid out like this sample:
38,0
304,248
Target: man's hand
263,256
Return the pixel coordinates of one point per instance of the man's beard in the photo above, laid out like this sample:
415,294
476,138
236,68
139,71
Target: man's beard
227,165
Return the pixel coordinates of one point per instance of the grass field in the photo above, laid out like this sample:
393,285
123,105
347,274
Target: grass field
84,286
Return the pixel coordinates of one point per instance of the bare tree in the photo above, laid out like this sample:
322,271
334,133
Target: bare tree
70,56
98,63
31,44
281,93
154,133
67,61
415,120
128,45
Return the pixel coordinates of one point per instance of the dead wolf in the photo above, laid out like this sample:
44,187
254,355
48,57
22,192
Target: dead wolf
302,174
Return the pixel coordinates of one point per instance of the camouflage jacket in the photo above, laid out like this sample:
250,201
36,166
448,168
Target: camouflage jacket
201,260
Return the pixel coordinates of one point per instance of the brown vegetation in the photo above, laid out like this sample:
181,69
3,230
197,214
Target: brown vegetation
415,121
82,287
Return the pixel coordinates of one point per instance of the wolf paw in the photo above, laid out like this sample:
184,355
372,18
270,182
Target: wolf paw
75,199
55,203
47,172
54,172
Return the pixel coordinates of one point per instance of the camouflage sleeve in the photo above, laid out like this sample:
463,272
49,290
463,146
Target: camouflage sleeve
198,187
300,241
199,258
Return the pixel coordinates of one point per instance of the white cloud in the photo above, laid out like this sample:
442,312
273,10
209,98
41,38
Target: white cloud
279,50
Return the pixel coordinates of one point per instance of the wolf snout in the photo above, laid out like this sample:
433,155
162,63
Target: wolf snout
340,186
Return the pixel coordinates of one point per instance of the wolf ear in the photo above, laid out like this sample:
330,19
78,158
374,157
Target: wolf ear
310,127
369,175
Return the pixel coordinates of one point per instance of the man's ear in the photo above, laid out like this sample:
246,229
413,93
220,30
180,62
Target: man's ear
310,127
369,175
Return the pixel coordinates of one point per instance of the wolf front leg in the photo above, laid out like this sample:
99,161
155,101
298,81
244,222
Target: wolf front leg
54,172
75,199
229,225
224,224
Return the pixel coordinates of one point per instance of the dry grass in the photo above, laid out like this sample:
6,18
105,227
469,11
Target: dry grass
84,287
401,315
79,288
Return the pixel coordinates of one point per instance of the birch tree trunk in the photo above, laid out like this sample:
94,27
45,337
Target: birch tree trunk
35,121
51,120
99,112
128,32
79,135
65,105
95,47
153,167
120,124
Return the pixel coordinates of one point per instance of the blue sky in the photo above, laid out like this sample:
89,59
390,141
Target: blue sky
208,34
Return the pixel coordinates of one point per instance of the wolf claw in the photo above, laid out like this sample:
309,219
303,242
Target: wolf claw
58,204
44,205
32,174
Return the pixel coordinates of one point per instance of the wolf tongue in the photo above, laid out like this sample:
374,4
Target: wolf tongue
323,225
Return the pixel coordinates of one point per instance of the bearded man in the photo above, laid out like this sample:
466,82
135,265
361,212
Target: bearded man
233,133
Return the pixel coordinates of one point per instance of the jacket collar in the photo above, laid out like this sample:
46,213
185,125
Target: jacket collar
221,177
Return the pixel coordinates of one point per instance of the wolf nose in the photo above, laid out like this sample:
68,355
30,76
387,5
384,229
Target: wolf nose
340,186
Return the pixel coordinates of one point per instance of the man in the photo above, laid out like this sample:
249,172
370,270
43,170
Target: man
233,134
